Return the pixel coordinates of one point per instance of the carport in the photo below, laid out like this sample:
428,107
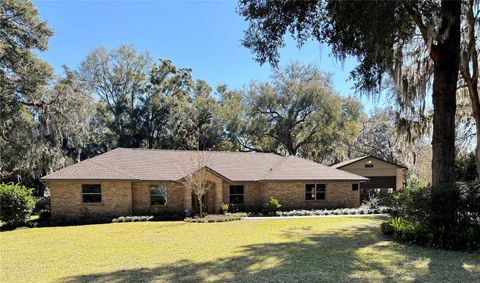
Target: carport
385,176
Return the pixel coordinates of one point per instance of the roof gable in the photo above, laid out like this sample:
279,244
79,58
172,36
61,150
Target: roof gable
358,159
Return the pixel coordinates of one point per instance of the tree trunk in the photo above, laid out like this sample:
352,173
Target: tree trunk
476,115
470,74
475,101
477,151
200,205
445,53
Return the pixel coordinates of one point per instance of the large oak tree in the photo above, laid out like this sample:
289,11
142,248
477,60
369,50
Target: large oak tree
379,34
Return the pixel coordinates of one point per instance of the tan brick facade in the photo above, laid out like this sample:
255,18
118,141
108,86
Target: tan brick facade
124,198
66,199
141,198
292,194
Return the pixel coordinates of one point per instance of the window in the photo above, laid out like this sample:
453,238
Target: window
158,195
314,191
91,193
354,187
309,191
320,191
236,194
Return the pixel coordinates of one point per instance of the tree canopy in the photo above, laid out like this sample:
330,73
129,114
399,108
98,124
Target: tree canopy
124,98
299,113
415,43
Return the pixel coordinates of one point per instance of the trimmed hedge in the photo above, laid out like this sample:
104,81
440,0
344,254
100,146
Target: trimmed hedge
341,211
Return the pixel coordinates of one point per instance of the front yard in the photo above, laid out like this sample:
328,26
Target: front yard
313,249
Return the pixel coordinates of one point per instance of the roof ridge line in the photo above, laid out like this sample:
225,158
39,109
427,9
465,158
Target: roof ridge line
118,171
192,150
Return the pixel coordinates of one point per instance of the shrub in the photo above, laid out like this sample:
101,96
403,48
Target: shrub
170,215
271,206
254,209
444,216
41,204
224,207
234,208
216,218
132,219
341,211
406,230
16,204
372,202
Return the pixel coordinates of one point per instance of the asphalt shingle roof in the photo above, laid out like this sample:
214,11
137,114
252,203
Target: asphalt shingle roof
172,165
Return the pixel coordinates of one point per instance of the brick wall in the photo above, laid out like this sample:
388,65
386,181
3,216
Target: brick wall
141,198
124,198
252,193
292,194
66,199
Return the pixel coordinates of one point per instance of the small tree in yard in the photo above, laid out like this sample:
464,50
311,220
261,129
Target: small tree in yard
198,178
16,204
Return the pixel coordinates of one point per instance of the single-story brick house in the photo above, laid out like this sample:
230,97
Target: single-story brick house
128,181
382,175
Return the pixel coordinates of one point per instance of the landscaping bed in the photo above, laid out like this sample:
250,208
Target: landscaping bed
216,218
340,211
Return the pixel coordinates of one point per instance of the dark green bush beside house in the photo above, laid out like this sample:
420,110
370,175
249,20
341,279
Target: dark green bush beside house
445,216
16,204
271,206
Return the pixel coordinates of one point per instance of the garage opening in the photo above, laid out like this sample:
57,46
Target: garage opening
378,186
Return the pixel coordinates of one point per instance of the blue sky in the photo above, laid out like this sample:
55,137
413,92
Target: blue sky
202,35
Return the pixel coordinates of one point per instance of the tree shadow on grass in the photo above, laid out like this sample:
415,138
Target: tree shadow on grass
338,256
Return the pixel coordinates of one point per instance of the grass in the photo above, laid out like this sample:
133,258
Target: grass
311,249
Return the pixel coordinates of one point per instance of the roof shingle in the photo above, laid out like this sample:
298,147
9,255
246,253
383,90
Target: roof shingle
172,165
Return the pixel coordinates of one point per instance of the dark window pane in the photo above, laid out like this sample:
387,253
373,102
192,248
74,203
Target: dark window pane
91,189
354,187
309,196
236,199
236,190
92,198
320,195
158,200
309,187
158,195
320,191
320,187
309,192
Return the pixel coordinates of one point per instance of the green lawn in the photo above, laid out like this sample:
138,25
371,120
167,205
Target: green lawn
313,249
